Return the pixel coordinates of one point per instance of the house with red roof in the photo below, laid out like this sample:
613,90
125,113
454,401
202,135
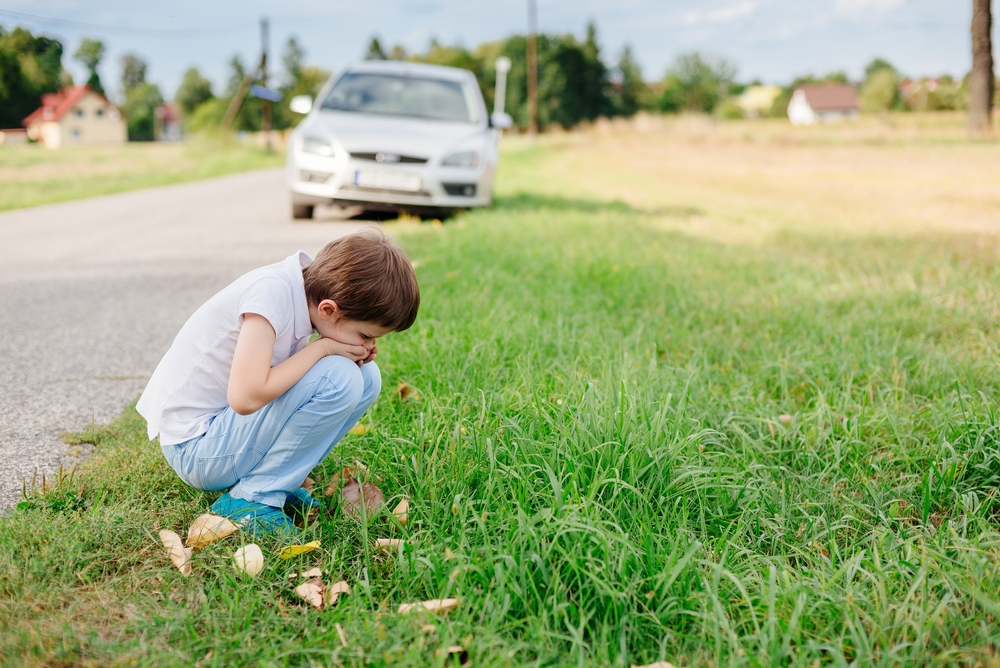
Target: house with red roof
76,115
822,103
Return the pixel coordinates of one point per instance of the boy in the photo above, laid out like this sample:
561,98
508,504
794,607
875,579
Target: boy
243,402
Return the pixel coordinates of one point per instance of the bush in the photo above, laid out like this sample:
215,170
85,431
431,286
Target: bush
879,91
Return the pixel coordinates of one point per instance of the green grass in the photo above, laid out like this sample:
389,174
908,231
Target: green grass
33,175
597,465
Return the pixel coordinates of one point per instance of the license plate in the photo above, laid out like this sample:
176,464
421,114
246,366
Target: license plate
389,180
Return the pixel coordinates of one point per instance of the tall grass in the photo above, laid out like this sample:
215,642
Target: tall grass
628,445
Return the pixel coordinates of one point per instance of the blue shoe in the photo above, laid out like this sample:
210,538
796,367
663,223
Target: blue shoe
301,505
257,518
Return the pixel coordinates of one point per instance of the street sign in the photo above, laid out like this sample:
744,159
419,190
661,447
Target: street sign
266,93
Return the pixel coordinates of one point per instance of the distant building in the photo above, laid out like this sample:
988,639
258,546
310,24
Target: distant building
757,100
76,115
168,122
822,103
13,137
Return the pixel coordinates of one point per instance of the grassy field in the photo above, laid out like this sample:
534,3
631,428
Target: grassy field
33,175
718,395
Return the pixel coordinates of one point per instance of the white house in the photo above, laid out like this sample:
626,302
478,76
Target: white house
76,115
822,103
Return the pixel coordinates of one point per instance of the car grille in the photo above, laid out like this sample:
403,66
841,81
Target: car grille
389,158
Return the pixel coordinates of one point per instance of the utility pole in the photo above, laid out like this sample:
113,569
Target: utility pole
265,103
981,76
532,69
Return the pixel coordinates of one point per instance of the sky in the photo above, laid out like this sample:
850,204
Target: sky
769,40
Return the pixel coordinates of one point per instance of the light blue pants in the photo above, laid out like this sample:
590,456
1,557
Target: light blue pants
266,455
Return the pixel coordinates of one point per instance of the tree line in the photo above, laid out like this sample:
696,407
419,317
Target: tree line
575,82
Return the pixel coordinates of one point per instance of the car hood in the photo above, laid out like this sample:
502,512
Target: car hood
391,134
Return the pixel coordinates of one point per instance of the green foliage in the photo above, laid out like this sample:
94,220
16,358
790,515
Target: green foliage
299,79
194,91
375,50
29,67
880,91
879,65
696,82
632,94
140,110
89,54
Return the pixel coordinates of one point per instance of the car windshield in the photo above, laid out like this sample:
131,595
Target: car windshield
394,95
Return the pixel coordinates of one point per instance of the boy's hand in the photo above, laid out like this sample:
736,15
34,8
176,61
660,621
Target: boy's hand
371,356
352,352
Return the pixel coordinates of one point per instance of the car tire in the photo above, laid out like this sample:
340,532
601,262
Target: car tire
303,211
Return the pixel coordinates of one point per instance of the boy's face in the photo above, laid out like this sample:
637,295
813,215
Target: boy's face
328,321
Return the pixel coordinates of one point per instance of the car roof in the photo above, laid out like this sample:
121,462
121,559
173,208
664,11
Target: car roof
409,69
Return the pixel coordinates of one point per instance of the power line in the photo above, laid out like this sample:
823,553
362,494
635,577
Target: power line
147,32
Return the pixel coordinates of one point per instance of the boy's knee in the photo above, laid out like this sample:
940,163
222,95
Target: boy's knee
341,378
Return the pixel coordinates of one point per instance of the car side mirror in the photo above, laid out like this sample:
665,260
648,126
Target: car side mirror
501,120
301,104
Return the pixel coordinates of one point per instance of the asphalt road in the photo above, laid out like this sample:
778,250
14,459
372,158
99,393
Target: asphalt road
92,293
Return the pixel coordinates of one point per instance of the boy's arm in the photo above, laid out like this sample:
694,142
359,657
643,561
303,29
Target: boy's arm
254,383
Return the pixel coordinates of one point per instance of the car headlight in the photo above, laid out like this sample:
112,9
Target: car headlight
464,159
317,146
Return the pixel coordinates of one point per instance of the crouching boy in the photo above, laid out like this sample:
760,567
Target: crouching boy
243,402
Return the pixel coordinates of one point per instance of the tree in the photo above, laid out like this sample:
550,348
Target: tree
633,94
293,58
878,65
133,71
696,83
89,54
981,77
299,79
880,90
141,99
194,91
29,67
375,50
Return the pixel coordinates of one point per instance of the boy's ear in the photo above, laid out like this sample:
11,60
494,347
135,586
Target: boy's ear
328,308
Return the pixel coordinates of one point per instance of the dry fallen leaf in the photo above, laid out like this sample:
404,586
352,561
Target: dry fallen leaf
249,559
658,664
785,419
312,592
179,555
308,484
359,430
428,628
387,544
340,632
347,474
351,495
296,550
456,651
438,605
406,392
335,590
402,511
311,573
207,529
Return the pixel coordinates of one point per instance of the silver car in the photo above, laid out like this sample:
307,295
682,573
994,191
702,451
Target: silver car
394,136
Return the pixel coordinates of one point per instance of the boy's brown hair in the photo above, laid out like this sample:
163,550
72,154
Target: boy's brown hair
369,277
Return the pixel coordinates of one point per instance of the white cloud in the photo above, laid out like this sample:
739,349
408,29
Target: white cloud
860,8
720,15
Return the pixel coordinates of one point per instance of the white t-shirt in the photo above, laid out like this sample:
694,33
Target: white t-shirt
189,385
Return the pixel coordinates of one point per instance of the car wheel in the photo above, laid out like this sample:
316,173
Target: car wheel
302,211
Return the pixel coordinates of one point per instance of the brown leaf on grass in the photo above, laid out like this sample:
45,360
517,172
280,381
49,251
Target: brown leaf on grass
308,484
405,392
453,651
438,605
402,511
346,474
352,493
249,559
785,419
311,573
387,544
179,555
312,592
658,664
206,529
335,590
